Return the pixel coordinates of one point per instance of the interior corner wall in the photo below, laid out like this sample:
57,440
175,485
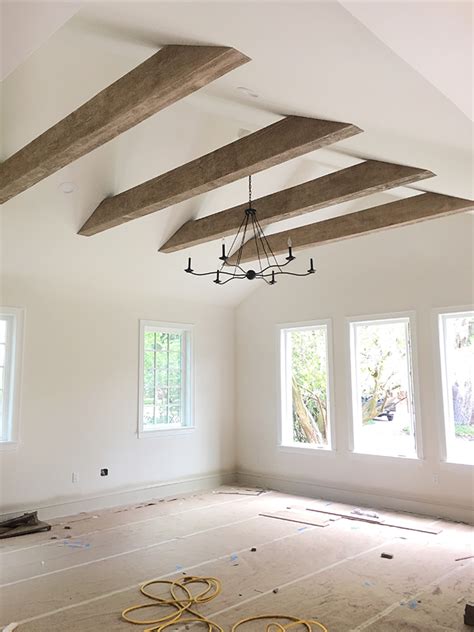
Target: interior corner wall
418,268
79,400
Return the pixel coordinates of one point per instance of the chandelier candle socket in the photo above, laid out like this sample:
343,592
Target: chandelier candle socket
268,265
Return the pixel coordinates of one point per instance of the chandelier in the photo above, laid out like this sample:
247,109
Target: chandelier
268,265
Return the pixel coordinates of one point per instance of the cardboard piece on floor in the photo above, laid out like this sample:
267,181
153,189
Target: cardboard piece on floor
363,515
301,517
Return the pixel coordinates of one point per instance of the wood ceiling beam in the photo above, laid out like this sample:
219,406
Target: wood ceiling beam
341,186
289,138
169,75
399,213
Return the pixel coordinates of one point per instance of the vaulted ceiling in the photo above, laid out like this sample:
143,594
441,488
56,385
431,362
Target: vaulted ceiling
329,60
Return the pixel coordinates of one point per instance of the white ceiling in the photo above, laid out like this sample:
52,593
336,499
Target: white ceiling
435,38
25,26
356,63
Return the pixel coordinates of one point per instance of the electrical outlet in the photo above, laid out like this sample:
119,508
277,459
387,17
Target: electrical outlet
75,477
104,471
436,479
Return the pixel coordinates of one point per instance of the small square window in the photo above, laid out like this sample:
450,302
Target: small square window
165,377
305,386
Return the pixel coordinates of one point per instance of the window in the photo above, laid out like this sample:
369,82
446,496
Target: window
11,333
305,386
457,367
165,377
382,387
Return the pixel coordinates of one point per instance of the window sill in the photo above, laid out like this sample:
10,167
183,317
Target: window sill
402,457
452,460
305,449
8,445
165,432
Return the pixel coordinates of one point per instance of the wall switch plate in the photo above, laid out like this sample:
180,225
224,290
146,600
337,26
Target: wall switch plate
75,477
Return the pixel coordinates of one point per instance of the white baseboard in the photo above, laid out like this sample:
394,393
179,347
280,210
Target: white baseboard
371,499
115,498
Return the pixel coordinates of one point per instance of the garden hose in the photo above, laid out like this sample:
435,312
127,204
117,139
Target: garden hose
183,600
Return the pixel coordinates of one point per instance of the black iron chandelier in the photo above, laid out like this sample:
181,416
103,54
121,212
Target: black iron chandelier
268,265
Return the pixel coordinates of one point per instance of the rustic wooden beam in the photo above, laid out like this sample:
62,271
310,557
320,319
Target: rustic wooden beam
341,186
169,75
399,213
291,137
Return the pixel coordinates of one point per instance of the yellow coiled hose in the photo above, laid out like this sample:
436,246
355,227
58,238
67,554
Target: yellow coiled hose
182,600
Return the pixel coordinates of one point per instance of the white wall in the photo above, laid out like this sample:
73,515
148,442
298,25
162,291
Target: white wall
419,268
79,396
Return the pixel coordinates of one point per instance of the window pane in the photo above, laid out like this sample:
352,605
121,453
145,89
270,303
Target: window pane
383,415
162,379
306,375
174,416
2,354
149,386
149,340
459,382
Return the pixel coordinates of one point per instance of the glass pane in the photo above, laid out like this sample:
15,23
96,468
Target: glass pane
148,416
384,388
162,379
309,388
175,343
2,354
3,330
149,360
149,340
149,387
174,416
174,396
161,341
459,350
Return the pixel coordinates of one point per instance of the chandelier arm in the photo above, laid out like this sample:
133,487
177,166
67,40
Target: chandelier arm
237,276
279,266
300,274
201,273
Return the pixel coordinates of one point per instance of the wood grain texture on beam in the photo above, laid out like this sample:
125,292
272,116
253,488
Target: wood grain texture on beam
289,138
399,213
169,75
341,186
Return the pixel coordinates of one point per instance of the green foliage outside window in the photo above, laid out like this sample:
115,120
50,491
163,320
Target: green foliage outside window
309,386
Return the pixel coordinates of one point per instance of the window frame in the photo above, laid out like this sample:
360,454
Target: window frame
285,401
187,375
9,432
409,317
446,420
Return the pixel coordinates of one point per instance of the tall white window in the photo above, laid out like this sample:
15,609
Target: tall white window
165,377
11,334
457,366
382,387
305,402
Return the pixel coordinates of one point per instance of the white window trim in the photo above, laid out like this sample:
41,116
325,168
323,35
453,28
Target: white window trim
352,383
445,437
189,379
17,316
282,392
